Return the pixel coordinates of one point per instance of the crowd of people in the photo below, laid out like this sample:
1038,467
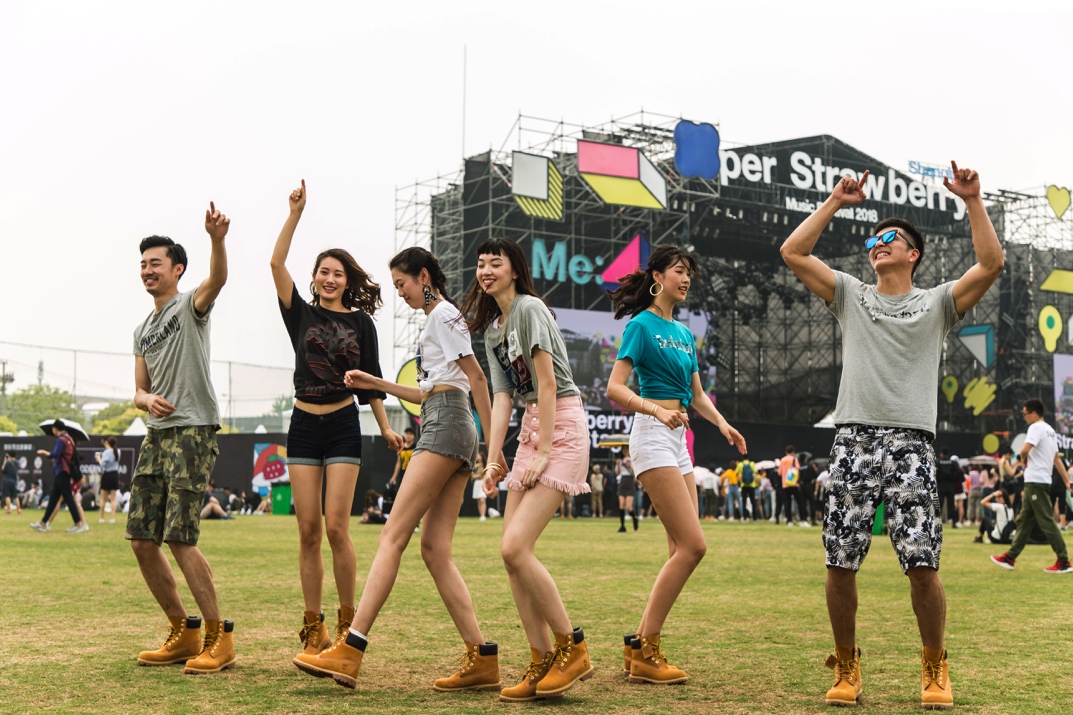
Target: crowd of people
888,409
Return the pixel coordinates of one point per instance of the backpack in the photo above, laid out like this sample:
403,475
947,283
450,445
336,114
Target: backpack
74,464
791,477
748,474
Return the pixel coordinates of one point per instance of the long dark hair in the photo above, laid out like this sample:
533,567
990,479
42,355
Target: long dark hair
480,308
113,444
634,293
411,260
361,292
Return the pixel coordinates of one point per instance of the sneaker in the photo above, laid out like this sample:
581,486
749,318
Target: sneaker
789,523
483,518
805,525
978,540
38,526
1060,566
100,521
111,521
493,513
78,529
1004,561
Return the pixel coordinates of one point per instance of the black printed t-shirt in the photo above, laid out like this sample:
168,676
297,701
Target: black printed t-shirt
326,344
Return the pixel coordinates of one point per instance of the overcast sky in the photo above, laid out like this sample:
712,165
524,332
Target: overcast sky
123,119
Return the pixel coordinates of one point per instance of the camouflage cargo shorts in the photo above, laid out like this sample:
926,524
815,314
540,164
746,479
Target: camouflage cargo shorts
168,490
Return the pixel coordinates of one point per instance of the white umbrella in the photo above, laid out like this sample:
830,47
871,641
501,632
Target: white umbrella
73,428
767,464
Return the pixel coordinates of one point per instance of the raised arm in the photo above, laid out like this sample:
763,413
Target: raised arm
216,225
280,275
970,288
797,249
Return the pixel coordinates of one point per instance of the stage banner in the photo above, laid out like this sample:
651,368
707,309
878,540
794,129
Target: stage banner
1063,396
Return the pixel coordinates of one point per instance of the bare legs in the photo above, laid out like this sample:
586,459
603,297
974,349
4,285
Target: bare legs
929,604
433,488
338,500
161,580
675,498
535,593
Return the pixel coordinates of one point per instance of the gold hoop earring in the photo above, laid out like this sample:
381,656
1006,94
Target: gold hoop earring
655,293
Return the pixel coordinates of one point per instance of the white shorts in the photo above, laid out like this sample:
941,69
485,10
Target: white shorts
654,445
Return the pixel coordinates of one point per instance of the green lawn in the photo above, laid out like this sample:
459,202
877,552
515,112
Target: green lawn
751,627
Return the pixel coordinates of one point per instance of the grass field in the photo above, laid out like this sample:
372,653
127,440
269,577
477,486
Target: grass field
751,627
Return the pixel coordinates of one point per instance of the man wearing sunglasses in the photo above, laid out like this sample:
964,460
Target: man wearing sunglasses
892,338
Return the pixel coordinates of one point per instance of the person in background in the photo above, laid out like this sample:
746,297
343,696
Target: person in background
596,484
62,456
109,461
11,483
477,491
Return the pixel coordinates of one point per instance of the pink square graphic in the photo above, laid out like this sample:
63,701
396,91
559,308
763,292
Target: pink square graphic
607,160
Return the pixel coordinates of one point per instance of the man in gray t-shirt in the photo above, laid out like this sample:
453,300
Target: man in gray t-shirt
171,374
892,338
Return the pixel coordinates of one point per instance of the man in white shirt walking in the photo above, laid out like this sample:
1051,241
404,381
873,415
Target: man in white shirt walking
1040,454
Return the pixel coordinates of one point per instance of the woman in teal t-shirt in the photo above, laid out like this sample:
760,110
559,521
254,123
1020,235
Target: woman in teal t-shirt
663,353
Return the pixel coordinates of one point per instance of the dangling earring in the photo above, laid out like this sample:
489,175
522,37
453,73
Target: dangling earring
654,293
313,290
429,297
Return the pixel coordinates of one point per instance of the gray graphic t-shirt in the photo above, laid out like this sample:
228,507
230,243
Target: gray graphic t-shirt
891,346
175,345
510,350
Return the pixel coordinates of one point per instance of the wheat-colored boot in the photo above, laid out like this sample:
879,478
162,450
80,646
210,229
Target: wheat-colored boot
182,643
477,670
569,664
650,665
314,634
526,690
846,662
217,651
341,661
936,692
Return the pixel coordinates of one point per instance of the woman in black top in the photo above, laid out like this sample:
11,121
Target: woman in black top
330,335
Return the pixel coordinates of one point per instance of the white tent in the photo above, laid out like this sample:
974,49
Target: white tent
827,422
137,428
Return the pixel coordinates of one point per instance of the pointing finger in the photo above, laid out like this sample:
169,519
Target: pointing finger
863,177
954,166
303,187
212,207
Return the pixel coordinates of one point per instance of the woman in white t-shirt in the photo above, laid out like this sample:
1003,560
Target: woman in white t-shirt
439,470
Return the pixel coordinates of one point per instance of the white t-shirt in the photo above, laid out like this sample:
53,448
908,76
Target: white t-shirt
1041,457
444,341
1003,515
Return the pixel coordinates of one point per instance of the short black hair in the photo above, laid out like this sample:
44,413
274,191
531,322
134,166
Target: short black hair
944,451
410,430
58,424
175,252
1034,404
909,228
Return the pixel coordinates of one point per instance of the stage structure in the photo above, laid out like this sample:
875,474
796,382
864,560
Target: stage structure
586,203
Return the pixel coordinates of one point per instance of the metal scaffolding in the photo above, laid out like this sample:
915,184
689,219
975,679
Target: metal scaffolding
777,357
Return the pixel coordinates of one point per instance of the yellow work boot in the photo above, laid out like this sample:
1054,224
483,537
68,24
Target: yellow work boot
650,665
534,673
846,662
342,624
314,634
182,643
477,670
217,652
569,664
936,692
341,661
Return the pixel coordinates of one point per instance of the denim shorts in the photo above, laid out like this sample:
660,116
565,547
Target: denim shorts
654,445
319,440
448,429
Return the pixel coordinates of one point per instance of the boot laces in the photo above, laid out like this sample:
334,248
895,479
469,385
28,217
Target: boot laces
467,660
933,674
211,641
561,654
534,671
656,655
844,670
175,634
309,633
